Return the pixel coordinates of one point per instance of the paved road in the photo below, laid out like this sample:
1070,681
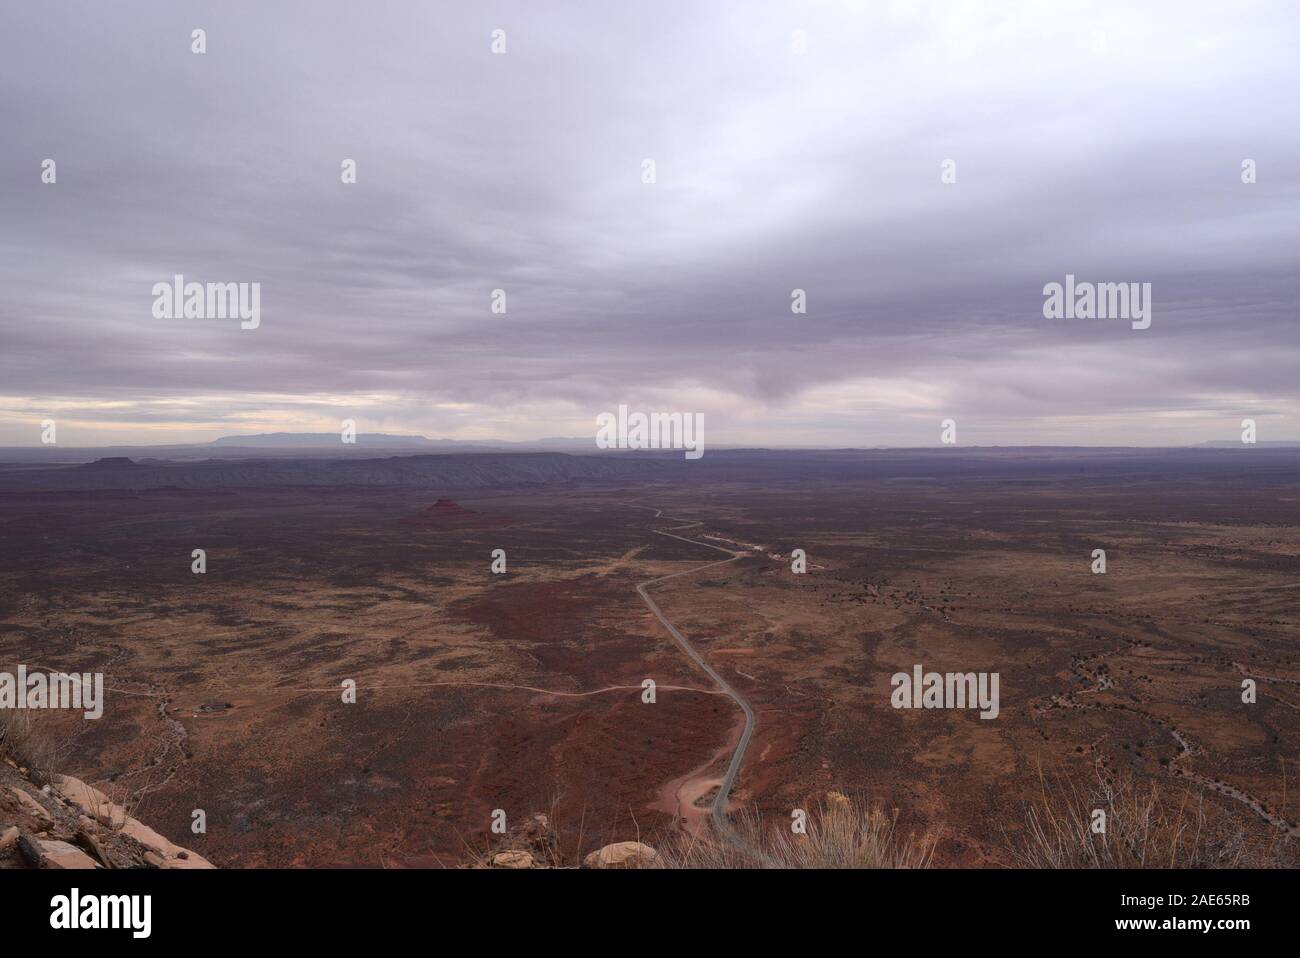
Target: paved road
720,802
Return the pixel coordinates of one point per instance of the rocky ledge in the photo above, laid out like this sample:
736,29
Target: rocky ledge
69,824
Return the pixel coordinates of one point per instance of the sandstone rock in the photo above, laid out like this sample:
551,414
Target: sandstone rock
622,855
8,838
31,805
90,800
56,854
88,843
104,810
147,837
174,856
48,853
513,860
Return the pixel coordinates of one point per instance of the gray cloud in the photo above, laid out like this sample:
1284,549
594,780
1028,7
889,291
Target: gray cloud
775,171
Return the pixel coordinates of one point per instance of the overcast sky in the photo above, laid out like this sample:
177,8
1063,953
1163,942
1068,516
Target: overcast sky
1103,140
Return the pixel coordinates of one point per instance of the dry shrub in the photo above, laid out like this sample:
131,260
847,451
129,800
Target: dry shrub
28,744
842,833
1148,825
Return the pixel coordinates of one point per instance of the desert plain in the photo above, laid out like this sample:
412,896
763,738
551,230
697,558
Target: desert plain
523,690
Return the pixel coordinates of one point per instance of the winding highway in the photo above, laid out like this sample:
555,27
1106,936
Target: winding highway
720,819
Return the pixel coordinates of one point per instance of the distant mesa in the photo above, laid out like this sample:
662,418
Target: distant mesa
448,512
447,509
112,462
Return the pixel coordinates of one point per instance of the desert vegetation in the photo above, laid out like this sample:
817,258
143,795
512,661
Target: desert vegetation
841,832
29,745
1146,825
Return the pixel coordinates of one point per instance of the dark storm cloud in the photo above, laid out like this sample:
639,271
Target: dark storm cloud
1117,161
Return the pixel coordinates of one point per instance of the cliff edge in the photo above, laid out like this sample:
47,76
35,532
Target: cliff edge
69,824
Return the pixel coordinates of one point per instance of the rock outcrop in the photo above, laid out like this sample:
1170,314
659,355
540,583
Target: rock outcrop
530,845
535,844
513,859
622,855
68,824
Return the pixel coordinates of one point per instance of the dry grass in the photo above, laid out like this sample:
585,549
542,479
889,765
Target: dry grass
24,741
841,833
1146,826
41,747
537,835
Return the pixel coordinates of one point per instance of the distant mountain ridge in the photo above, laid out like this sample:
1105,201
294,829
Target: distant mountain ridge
1238,444
461,470
292,440
292,445
447,470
